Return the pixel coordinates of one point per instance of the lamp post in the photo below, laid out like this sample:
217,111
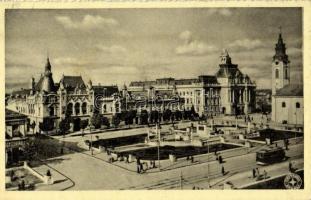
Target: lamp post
91,140
158,135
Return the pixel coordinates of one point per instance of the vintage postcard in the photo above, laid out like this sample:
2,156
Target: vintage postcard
156,98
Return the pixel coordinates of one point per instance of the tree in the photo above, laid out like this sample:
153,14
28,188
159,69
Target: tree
30,149
47,125
84,124
64,126
32,126
115,121
105,122
96,120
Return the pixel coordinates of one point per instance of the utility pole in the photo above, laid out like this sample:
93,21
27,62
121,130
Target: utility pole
158,135
91,141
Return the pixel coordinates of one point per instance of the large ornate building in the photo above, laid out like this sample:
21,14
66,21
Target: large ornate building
46,102
287,98
228,92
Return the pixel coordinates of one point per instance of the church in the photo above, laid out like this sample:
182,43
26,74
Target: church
287,98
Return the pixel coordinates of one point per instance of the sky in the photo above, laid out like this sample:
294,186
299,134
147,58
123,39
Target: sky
117,46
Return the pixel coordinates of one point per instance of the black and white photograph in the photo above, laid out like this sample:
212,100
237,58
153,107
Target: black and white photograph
194,98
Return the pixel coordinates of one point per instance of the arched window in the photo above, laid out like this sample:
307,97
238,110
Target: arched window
276,73
84,106
283,104
77,108
297,105
69,109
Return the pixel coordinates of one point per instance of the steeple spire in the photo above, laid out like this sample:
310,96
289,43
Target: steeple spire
280,49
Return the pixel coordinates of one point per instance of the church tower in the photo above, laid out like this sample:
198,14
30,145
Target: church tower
280,66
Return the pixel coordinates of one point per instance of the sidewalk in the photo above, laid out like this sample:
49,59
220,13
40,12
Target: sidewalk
241,180
61,182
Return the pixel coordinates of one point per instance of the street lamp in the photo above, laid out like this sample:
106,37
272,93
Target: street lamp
158,135
91,140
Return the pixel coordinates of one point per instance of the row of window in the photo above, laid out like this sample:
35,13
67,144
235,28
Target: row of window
277,75
284,105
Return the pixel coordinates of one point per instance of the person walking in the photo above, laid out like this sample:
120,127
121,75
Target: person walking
257,172
220,159
290,166
223,170
192,159
254,173
265,174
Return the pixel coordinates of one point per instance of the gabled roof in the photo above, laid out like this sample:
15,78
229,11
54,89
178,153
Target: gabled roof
71,82
105,90
290,90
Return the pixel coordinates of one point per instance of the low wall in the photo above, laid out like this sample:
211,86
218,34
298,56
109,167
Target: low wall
46,179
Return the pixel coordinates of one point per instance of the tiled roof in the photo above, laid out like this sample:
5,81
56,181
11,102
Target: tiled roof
71,82
226,72
22,92
290,90
45,83
9,114
105,90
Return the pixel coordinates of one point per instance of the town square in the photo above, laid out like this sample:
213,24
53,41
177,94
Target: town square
105,99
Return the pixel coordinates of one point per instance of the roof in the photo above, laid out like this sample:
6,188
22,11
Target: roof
9,115
290,90
105,90
45,83
71,82
227,71
21,92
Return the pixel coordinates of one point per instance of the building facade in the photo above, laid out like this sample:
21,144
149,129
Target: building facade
228,92
46,102
287,98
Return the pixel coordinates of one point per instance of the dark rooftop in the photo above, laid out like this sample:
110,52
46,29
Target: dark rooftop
9,115
290,90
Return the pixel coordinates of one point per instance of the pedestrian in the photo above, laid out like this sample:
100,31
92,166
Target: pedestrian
48,173
192,159
265,174
23,185
220,159
138,169
141,167
290,166
254,173
223,170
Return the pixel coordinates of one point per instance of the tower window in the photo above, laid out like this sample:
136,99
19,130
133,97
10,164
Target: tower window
297,105
276,62
286,74
276,73
283,104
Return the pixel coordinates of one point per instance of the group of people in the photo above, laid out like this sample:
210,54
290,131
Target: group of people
143,166
256,173
190,158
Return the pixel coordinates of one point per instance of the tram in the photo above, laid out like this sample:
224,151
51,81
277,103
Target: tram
270,155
